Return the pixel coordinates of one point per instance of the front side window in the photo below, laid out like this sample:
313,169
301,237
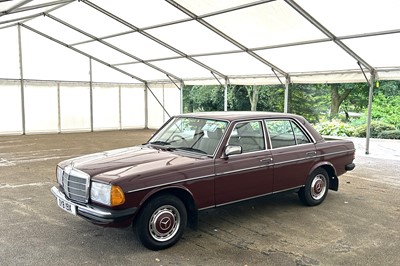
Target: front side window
190,134
284,133
248,135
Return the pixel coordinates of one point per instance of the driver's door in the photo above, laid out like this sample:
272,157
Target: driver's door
248,174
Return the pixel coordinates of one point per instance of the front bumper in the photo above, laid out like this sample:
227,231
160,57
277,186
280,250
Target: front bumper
97,214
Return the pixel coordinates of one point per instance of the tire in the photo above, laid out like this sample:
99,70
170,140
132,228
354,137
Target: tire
316,188
161,222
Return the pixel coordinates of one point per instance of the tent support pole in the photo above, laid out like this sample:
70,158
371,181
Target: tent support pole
146,108
181,97
180,88
225,90
120,106
371,92
226,95
91,94
286,85
286,103
155,97
21,72
59,107
163,101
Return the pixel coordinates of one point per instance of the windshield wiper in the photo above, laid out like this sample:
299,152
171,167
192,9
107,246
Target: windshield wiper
159,142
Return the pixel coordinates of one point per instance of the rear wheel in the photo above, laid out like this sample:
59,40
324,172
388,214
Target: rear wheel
316,188
161,222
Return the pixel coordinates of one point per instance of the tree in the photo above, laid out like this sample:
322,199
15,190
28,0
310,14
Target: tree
238,98
339,93
203,98
309,100
252,92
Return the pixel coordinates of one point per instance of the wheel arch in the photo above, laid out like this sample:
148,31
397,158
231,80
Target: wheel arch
183,194
330,169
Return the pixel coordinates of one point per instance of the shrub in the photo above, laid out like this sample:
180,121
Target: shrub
335,128
389,134
377,127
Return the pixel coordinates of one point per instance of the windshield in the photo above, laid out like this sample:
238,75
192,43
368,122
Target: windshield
191,134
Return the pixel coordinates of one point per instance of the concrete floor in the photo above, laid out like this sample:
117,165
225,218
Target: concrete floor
358,225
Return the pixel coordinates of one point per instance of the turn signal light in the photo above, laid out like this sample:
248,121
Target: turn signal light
117,196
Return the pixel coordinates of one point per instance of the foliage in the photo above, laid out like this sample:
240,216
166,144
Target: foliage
390,134
357,100
377,127
203,98
313,101
270,98
335,128
309,101
386,109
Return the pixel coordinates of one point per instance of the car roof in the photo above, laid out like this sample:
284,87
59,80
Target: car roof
242,115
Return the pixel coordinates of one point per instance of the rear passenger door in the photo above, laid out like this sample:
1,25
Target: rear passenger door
293,153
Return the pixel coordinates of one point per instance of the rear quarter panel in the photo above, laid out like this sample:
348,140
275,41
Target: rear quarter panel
339,153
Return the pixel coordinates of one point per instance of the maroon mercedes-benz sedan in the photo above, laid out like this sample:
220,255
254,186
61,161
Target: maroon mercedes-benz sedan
199,161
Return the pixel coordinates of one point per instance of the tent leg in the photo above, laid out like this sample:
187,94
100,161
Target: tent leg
371,92
59,107
120,107
21,72
286,103
181,98
146,108
226,95
91,95
163,101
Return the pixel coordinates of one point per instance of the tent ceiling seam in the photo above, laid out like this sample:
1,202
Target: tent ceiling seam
120,20
112,46
226,37
339,41
19,9
81,52
186,19
14,9
329,34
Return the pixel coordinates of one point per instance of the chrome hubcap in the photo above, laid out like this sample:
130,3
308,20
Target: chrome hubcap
318,187
164,223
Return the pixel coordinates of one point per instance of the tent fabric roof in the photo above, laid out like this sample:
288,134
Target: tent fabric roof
237,41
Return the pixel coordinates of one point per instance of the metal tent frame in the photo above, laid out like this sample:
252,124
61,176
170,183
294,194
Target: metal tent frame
209,16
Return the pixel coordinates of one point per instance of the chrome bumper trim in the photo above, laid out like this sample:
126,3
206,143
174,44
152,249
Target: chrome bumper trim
94,213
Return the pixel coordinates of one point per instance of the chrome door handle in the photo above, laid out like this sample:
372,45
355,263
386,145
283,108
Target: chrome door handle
311,153
266,160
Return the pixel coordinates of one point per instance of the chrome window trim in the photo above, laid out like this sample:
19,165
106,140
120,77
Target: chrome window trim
297,123
235,123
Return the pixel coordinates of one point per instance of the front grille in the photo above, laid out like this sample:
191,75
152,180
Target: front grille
75,184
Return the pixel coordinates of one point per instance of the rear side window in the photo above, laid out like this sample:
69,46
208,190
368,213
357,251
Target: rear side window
284,133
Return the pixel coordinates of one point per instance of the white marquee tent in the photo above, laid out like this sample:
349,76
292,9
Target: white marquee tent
87,65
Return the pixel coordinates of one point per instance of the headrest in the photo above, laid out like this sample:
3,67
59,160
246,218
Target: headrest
216,134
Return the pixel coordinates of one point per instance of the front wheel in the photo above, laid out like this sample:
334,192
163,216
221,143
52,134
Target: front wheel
162,222
316,188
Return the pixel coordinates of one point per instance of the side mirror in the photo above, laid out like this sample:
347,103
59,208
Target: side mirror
232,149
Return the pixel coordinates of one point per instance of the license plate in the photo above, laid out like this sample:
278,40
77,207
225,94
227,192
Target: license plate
66,206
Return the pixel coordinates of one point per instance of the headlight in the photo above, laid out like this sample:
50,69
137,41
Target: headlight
106,194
